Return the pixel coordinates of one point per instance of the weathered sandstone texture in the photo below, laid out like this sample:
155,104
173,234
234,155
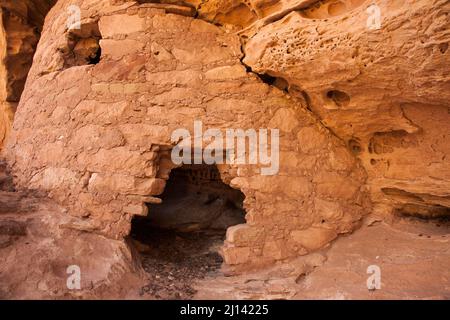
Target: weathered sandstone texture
383,91
20,26
36,249
361,102
99,141
413,257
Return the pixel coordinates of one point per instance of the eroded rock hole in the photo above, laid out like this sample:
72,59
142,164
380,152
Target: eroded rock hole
355,146
180,239
172,2
340,98
266,78
421,206
424,212
336,8
325,9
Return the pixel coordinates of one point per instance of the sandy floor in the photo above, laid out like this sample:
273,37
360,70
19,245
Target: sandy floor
413,257
174,260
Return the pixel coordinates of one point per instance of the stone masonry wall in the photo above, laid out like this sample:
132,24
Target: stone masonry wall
96,137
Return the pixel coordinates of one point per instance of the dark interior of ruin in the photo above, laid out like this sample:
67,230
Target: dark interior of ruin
180,239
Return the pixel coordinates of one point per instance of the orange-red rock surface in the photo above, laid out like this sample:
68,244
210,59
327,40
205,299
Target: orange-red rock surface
359,93
159,72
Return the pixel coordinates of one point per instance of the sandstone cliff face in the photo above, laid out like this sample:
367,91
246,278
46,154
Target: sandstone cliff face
374,75
99,141
360,99
20,26
384,91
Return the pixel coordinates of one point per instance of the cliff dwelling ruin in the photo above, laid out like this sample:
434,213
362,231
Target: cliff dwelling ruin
324,144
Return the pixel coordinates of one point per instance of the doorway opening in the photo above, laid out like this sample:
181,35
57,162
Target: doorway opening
180,239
